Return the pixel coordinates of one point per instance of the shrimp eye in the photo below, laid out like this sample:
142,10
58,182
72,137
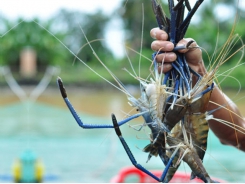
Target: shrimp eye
184,101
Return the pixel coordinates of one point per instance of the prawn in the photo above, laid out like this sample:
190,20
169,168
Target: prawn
191,157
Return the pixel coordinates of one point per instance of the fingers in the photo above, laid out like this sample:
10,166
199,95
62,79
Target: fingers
164,46
193,54
158,34
161,43
164,68
166,57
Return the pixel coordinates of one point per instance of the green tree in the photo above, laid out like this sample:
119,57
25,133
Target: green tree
21,34
93,25
66,26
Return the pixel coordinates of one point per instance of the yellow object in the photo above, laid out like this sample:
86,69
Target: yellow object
39,171
17,171
28,169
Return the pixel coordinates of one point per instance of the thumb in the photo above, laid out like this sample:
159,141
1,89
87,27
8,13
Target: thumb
193,53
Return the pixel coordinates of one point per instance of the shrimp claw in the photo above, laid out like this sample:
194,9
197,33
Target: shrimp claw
77,118
131,156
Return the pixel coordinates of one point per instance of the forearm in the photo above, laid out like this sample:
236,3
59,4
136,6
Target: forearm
230,113
226,110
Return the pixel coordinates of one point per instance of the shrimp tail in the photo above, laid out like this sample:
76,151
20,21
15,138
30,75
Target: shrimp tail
193,176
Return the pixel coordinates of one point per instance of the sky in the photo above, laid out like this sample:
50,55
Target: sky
44,9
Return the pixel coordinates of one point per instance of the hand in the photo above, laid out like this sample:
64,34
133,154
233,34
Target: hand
193,55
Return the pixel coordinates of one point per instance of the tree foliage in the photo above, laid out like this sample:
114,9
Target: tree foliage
29,34
65,25
74,23
208,28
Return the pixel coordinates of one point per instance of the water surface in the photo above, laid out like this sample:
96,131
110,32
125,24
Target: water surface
77,155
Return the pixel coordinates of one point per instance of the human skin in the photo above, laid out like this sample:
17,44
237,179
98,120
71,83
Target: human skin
193,55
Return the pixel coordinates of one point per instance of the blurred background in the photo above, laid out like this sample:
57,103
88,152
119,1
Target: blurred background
36,45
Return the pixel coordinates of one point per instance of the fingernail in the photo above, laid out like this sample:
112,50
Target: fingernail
154,35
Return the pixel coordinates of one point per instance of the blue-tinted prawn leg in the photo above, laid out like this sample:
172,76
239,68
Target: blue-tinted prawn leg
133,160
173,168
77,118
177,133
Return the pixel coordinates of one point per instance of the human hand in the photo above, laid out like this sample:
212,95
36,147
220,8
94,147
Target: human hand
193,54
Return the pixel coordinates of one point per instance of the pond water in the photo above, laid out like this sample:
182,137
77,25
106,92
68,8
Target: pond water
72,154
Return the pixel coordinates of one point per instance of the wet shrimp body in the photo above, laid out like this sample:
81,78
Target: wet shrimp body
196,122
153,101
175,114
195,163
190,156
155,96
198,128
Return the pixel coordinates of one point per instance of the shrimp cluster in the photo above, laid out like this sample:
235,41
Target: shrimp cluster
176,113
177,107
173,107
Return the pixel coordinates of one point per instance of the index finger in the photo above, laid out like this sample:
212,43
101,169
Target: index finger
159,34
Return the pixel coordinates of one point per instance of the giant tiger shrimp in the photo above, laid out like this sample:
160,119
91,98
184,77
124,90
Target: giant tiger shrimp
157,104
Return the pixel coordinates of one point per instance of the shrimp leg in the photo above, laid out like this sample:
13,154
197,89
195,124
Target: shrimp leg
131,156
77,118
